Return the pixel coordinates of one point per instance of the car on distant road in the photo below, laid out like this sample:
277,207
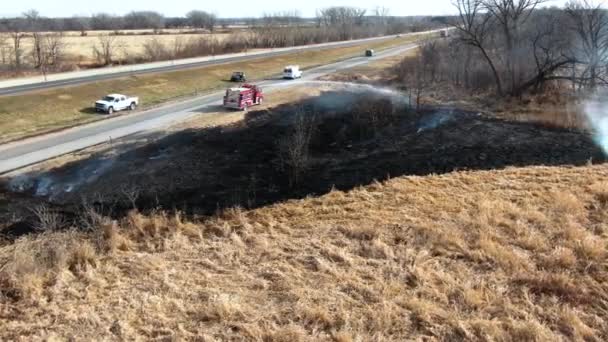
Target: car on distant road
292,72
369,53
238,76
116,102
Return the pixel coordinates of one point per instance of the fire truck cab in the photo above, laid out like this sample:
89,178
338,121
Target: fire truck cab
243,97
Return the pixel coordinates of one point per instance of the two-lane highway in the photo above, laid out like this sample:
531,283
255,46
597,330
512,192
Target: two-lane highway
24,85
26,152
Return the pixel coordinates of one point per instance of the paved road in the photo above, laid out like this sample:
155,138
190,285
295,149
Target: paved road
18,86
22,153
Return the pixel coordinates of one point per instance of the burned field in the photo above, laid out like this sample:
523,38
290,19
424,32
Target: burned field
338,140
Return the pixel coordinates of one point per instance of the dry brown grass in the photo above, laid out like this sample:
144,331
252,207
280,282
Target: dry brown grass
378,71
554,108
509,255
80,49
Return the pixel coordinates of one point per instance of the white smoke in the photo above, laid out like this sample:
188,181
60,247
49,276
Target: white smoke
393,94
596,112
435,120
54,184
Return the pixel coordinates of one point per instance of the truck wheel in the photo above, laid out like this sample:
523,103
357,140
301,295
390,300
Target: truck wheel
132,106
111,110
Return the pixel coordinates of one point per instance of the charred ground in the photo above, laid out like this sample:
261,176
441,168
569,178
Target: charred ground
355,138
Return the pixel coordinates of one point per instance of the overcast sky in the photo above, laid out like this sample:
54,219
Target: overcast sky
226,8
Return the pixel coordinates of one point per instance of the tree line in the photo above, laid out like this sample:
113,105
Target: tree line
45,37
513,47
134,20
139,20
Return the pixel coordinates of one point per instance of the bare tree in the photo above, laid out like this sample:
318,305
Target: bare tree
4,49
16,34
201,19
104,49
32,20
382,13
52,52
178,47
282,19
82,25
415,74
510,15
590,23
47,218
475,27
131,193
549,45
294,154
502,32
103,21
144,20
156,50
54,45
342,18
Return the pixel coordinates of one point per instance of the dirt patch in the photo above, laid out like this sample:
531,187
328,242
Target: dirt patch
355,140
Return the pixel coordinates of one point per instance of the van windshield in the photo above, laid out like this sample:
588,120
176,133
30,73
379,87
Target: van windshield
108,98
287,70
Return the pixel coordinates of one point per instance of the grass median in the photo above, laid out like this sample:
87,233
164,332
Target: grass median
49,110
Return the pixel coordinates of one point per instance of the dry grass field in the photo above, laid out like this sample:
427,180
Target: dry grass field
80,49
513,255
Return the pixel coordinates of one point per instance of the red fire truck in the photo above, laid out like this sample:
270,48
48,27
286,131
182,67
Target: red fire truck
242,98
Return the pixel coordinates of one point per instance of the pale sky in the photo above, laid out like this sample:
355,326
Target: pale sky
225,8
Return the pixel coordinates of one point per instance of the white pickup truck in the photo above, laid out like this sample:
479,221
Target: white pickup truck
116,102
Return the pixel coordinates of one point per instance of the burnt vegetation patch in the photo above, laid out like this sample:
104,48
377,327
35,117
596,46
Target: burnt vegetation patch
338,140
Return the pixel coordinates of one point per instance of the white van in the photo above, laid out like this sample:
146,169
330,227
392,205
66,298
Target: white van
292,72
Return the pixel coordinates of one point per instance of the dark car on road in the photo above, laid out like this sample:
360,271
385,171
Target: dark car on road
369,53
238,76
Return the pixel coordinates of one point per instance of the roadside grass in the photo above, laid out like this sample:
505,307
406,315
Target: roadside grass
380,70
44,111
384,63
218,116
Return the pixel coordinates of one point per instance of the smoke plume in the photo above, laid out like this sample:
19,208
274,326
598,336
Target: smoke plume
596,112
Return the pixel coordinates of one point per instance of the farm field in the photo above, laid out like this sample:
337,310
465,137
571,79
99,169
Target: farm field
130,44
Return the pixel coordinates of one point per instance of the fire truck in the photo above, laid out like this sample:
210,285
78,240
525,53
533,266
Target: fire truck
243,97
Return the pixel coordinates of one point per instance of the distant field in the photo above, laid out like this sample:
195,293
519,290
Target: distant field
80,48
